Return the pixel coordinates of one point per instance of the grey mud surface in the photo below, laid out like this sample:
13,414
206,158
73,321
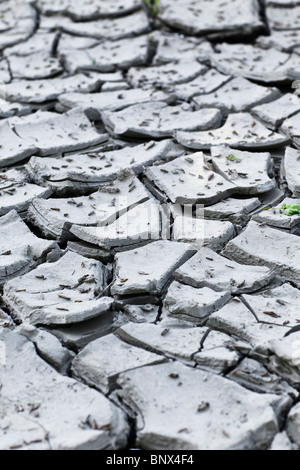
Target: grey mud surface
149,275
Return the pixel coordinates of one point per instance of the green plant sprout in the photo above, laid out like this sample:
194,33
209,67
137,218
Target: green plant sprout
291,209
153,6
232,158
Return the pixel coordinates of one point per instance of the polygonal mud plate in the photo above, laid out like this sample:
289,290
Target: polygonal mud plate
80,173
59,293
41,41
172,47
16,193
173,73
52,133
113,29
238,95
241,130
158,120
13,149
254,376
236,320
95,104
39,91
215,17
290,170
248,171
48,347
165,421
251,62
273,114
108,56
102,361
8,110
67,42
208,269
20,249
285,41
56,217
175,343
188,180
199,232
276,217
265,246
140,225
192,304
207,83
148,269
237,211
18,21
35,66
58,413
291,128
87,9
280,18
277,306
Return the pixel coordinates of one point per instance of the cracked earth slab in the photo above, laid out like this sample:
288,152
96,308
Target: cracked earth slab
199,232
276,217
102,361
236,211
252,62
52,133
39,91
188,180
254,338
48,347
173,343
158,120
249,172
141,225
207,83
291,128
56,217
290,172
220,18
170,47
254,376
208,269
109,28
16,193
108,56
192,304
199,430
87,171
117,100
237,96
59,293
166,75
87,9
20,249
148,269
275,249
18,21
240,130
34,414
273,114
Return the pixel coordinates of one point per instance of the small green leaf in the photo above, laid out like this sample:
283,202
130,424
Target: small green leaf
232,158
291,209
